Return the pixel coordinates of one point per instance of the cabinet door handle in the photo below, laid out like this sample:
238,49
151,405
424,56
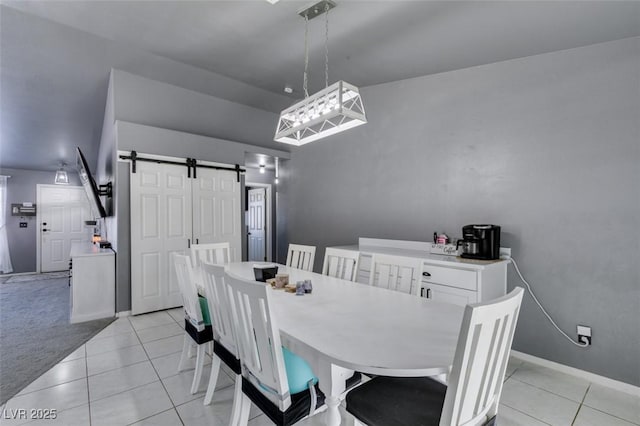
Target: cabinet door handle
197,241
188,242
428,293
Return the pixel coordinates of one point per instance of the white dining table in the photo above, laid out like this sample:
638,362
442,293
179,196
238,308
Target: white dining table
342,327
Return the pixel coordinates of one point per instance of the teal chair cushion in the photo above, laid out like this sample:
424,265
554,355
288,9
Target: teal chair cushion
298,372
204,307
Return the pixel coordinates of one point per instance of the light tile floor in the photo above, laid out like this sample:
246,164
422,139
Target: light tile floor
127,375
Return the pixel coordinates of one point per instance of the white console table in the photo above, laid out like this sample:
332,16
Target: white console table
445,278
93,282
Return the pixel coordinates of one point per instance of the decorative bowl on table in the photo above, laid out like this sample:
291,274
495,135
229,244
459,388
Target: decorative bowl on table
266,271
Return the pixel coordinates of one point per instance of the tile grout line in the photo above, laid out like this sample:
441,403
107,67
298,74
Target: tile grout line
546,390
602,411
522,412
575,417
173,405
86,366
612,415
157,414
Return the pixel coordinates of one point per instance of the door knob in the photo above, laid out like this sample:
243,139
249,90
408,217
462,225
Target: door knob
45,230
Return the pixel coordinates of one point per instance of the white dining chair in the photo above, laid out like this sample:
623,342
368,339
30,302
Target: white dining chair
216,253
301,256
276,380
341,263
396,273
224,340
197,324
473,391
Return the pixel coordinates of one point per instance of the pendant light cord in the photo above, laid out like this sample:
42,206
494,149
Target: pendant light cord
306,55
326,45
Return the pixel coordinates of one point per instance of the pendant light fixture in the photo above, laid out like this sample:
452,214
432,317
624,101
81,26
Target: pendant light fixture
61,176
332,110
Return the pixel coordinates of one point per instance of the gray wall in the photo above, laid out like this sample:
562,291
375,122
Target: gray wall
153,140
21,187
152,117
153,103
546,146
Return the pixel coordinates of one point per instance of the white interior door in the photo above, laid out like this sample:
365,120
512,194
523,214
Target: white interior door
255,223
161,224
216,209
62,212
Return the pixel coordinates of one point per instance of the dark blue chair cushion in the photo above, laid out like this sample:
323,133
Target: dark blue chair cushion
300,404
397,401
199,337
227,357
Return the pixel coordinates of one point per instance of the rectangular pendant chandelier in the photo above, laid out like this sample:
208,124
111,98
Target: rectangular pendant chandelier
332,110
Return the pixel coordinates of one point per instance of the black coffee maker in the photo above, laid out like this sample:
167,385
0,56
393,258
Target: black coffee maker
480,242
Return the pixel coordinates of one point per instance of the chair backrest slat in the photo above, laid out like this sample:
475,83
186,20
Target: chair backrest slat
258,340
219,301
341,264
216,253
479,365
189,290
396,273
301,256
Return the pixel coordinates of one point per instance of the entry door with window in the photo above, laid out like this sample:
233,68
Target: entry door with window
255,223
62,212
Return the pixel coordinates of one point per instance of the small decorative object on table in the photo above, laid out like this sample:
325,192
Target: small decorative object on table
300,288
308,288
282,280
264,271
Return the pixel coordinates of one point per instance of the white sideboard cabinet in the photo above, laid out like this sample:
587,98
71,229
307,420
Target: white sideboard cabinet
93,283
448,279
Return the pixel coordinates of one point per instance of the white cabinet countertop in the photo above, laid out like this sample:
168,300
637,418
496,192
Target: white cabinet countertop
434,259
88,249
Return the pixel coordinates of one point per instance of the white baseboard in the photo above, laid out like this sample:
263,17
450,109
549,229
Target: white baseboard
594,378
123,314
15,274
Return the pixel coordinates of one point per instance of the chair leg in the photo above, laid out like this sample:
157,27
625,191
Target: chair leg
244,411
198,373
237,402
185,352
314,398
213,378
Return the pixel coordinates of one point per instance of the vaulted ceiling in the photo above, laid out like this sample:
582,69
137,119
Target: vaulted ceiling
53,91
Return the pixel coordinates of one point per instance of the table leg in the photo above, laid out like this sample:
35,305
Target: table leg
332,416
332,383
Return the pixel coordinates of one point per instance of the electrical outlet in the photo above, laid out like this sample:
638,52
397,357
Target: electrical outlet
505,252
23,224
584,334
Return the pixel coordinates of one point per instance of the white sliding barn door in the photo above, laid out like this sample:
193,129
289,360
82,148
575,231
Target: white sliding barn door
216,209
161,224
